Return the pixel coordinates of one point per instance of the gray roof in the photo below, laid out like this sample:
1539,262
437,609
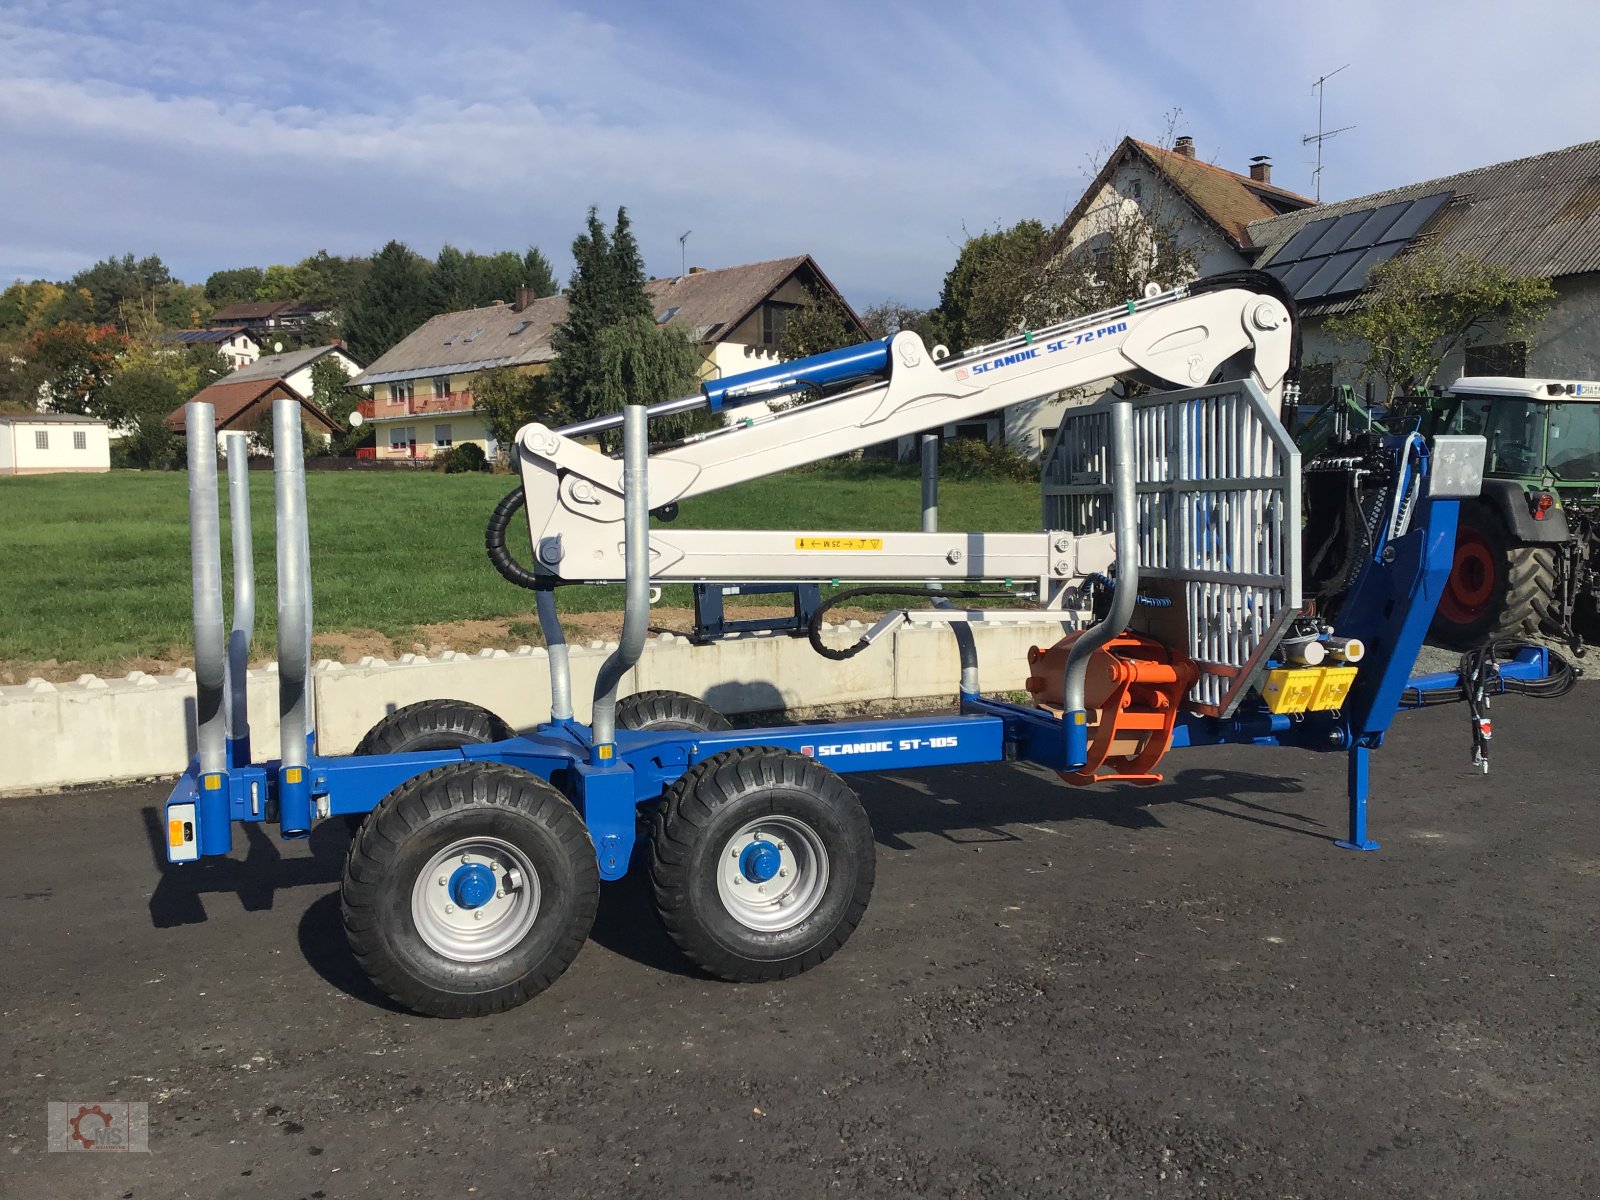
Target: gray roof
47,418
1536,216
707,305
276,366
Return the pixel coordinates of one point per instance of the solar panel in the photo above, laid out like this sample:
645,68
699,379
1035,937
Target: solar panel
1335,255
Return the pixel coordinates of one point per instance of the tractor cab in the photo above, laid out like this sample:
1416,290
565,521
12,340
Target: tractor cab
1539,430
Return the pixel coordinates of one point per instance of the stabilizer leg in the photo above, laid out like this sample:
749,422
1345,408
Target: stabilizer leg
1358,782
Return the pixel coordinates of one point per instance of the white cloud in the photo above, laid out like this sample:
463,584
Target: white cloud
869,136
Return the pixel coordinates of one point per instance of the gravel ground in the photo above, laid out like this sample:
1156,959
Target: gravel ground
1179,991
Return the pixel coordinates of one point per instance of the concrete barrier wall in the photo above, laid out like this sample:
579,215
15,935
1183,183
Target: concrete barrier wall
105,730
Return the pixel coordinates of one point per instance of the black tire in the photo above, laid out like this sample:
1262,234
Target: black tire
434,725
644,711
424,817
429,725
1498,587
701,815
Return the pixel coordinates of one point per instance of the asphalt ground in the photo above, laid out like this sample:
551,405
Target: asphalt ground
1177,991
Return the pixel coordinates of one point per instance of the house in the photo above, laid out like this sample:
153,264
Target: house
44,443
294,366
233,342
1536,217
1209,209
422,387
245,406
260,317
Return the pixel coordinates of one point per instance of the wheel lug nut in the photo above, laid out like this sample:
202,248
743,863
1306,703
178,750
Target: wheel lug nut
466,858
443,880
784,872
762,889
737,880
500,894
449,908
478,916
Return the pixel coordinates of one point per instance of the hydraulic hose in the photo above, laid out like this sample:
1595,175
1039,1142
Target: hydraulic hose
814,628
494,541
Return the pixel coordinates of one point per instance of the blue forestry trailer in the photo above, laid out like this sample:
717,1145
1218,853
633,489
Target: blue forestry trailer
1171,559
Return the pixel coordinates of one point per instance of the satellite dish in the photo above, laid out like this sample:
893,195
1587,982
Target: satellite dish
277,347
357,420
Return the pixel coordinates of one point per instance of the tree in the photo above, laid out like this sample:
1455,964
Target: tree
822,323
1423,306
331,392
234,286
114,282
138,400
71,362
508,399
891,316
985,293
392,302
537,274
597,371
263,434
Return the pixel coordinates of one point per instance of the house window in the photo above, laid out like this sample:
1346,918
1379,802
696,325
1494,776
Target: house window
80,440
774,318
41,439
441,437
401,390
978,431
1508,358
1136,188
441,386
402,437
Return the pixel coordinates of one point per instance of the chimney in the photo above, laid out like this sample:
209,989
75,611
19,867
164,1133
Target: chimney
1184,146
524,298
1261,169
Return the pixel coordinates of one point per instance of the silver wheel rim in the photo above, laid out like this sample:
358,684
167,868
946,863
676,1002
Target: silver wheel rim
772,874
445,899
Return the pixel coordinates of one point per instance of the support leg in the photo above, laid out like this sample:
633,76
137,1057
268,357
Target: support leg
1358,839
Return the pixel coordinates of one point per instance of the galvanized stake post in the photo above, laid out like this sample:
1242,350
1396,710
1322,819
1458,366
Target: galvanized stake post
244,598
930,483
294,625
215,833
636,612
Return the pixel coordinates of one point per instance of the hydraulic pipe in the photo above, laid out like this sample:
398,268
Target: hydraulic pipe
244,598
636,550
666,408
294,623
205,552
1125,530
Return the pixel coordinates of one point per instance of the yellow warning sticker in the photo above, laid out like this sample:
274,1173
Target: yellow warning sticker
838,543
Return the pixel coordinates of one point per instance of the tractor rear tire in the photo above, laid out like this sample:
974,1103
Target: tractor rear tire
653,711
469,890
1498,587
762,862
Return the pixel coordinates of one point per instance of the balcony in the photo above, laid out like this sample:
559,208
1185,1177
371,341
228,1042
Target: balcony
418,406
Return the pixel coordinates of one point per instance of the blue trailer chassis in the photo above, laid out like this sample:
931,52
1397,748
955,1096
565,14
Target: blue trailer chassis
1390,608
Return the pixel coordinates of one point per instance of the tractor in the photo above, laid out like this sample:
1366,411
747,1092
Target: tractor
1528,548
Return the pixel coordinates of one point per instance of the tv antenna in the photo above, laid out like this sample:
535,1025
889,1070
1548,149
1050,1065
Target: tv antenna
1322,135
683,253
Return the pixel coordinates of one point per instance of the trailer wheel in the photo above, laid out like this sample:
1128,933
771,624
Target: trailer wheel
469,890
668,710
1498,587
429,725
762,864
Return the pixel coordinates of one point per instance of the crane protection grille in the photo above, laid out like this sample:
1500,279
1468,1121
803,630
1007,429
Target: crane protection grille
1218,484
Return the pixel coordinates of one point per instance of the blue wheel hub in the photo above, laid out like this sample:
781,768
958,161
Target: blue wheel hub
472,885
760,861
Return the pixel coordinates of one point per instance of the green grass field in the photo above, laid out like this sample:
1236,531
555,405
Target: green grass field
94,569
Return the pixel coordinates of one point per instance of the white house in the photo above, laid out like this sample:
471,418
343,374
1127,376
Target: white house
294,367
44,443
235,343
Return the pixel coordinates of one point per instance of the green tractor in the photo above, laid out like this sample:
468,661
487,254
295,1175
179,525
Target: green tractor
1528,549
1527,558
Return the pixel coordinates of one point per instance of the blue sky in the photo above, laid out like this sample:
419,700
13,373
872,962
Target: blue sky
871,135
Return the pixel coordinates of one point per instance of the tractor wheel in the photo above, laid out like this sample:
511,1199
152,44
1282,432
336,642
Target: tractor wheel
430,725
647,711
469,890
762,864
1498,587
